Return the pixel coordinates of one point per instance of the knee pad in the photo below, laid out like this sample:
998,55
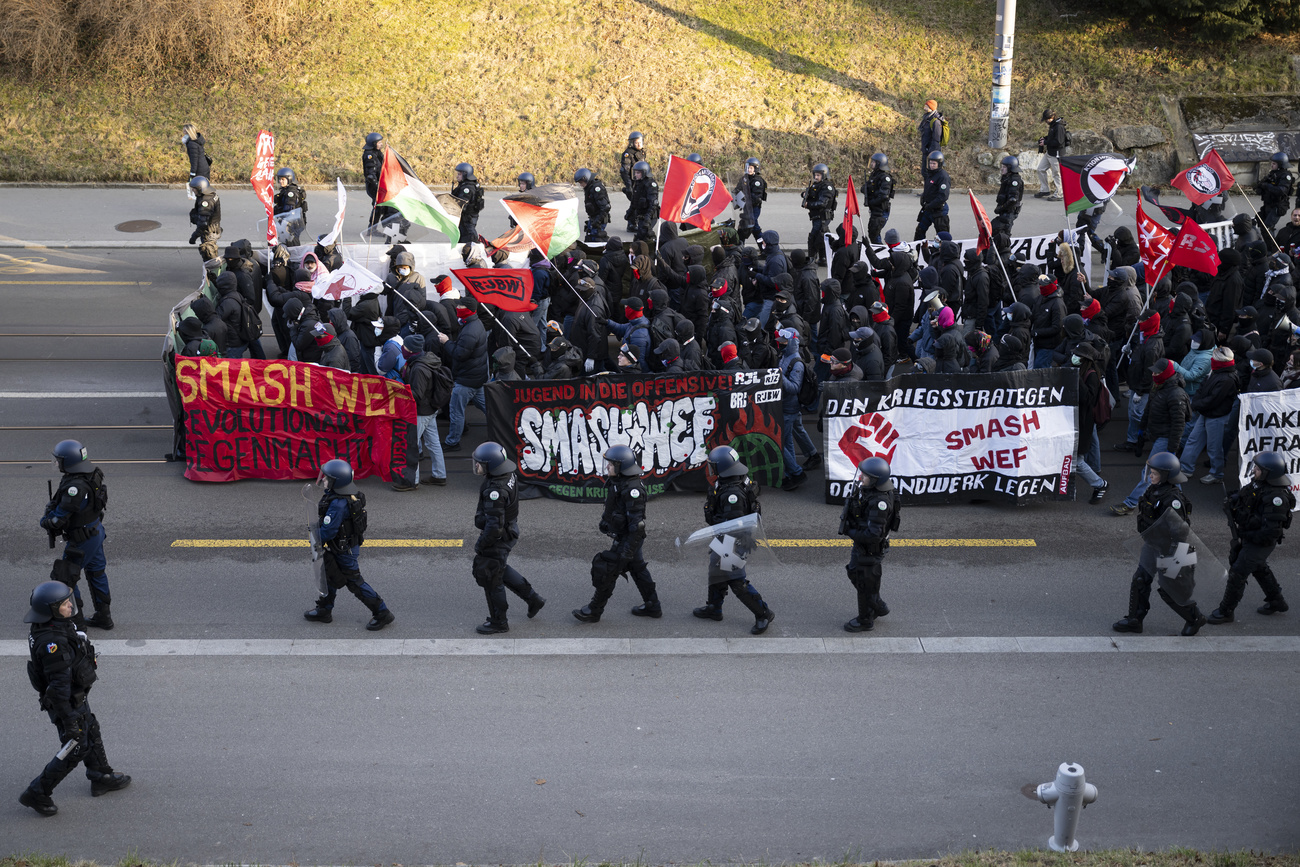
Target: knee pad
487,572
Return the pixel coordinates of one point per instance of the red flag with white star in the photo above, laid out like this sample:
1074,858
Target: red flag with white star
1154,245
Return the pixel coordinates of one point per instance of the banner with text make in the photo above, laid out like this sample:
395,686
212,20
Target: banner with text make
248,419
952,438
558,430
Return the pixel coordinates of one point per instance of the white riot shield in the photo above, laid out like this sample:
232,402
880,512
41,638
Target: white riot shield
288,226
1174,554
731,547
312,493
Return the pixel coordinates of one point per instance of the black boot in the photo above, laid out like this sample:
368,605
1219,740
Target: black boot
762,621
382,618
708,612
649,608
1195,620
492,627
860,624
319,614
586,614
1273,606
1232,593
535,603
38,801
879,605
1139,603
102,618
110,782
1218,616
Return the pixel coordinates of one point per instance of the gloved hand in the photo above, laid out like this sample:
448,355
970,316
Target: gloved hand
194,239
605,528
72,731
589,365
45,524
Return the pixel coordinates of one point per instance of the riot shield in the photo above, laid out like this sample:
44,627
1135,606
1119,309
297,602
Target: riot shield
731,547
311,494
1174,554
288,226
394,229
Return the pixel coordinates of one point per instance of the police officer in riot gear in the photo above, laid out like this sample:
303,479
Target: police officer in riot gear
644,210
596,202
624,522
632,154
62,670
934,198
878,190
1010,193
1165,474
1258,515
1275,189
372,166
77,514
342,512
470,193
871,512
732,495
205,215
819,200
755,186
497,520
288,196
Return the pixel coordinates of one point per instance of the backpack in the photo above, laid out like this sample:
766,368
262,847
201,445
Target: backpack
1101,410
98,491
945,134
357,514
441,390
250,326
809,389
1066,138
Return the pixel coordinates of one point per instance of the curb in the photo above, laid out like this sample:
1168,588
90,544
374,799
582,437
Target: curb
96,245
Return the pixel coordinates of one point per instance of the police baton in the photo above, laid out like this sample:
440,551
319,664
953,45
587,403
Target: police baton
49,485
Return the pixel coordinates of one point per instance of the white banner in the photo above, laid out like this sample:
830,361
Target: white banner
349,281
1270,422
1005,437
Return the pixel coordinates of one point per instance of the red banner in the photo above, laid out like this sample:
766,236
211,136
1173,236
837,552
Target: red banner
1154,244
505,288
249,419
1195,249
851,209
692,194
263,180
1205,180
981,222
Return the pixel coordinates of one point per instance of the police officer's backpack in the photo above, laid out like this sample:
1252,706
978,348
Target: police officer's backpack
357,515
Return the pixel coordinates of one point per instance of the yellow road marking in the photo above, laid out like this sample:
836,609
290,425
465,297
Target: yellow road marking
76,283
907,543
302,543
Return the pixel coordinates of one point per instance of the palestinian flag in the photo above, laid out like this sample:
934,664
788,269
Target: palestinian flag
400,188
1090,179
550,220
546,196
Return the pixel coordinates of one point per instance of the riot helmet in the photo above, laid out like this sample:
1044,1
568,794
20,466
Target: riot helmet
633,137
527,179
199,184
582,177
880,161
643,167
1169,467
45,601
1011,163
821,169
874,472
466,171
725,463
286,174
936,156
1282,160
1273,465
336,477
622,461
69,455
374,139
695,158
490,459
752,162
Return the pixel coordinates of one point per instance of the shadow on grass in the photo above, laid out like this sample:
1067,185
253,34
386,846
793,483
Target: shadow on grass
791,63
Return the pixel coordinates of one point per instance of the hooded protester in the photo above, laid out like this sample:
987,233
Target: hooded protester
1048,323
983,355
346,338
1011,354
1164,419
1146,348
213,325
1225,292
721,328
1262,376
692,355
332,353
670,261
669,356
756,347
865,354
950,274
949,348
468,357
975,297
793,371
883,324
900,274
502,365
696,299
833,329
615,272
191,333
1212,405
1025,283
566,360
1124,248
784,315
775,264
842,367
663,318
1087,461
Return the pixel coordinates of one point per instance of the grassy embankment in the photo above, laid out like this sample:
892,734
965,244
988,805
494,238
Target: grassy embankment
548,86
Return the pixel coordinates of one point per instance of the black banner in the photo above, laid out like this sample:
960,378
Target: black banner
558,430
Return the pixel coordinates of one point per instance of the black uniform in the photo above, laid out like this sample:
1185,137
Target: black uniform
1010,193
470,194
934,204
1274,190
1152,505
868,517
879,193
1258,514
624,522
644,210
820,200
287,198
205,216
755,187
497,519
631,156
77,514
596,199
62,670
728,499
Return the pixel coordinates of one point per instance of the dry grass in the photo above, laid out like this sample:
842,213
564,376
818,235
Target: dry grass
515,85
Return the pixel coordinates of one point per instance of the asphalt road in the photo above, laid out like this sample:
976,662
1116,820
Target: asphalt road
363,753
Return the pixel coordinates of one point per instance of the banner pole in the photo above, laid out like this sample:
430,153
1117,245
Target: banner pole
487,309
1258,219
418,311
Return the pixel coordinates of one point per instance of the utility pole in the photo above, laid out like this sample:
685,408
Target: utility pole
1003,49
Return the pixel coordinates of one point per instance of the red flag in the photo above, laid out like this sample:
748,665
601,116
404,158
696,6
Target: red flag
851,210
981,222
505,288
1090,179
1195,249
263,178
1205,180
1154,244
692,194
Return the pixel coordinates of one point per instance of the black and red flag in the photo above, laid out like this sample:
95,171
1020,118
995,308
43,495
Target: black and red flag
1090,179
1205,180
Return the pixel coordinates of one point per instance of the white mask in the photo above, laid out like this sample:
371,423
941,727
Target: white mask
1076,360
405,272
184,139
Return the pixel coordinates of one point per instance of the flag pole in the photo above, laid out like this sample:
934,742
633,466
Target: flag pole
538,248
418,311
487,308
1258,219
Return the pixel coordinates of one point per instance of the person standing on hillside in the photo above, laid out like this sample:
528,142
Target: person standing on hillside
1051,146
931,131
196,149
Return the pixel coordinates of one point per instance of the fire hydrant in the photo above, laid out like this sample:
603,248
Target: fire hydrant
1070,793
